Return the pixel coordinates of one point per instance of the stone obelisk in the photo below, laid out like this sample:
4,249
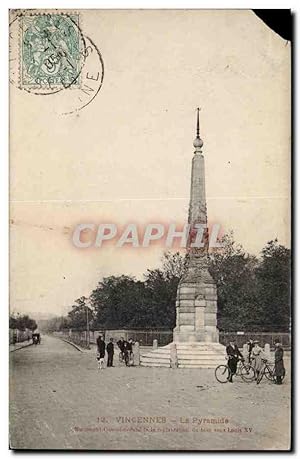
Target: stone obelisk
196,304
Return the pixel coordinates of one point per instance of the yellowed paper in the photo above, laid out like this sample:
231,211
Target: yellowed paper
102,126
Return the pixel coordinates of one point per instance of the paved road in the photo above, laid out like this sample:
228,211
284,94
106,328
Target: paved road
60,400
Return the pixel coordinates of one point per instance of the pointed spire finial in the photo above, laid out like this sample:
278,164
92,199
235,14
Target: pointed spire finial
198,129
198,142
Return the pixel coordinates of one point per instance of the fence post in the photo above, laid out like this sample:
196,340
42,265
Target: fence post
136,353
173,356
155,344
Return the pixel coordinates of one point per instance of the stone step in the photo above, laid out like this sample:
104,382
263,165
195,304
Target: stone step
218,358
199,348
207,354
154,359
154,364
199,360
189,355
157,351
206,366
160,356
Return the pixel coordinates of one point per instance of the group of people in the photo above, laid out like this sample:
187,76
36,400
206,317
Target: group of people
125,347
255,355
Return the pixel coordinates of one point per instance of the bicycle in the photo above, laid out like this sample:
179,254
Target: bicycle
267,370
243,370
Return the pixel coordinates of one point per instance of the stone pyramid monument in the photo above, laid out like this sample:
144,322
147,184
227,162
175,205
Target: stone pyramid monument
195,337
196,305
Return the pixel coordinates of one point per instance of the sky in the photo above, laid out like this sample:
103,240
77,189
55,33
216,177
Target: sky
126,157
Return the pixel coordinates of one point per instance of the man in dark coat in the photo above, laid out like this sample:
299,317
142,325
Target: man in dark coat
250,346
110,352
279,365
121,344
101,351
234,354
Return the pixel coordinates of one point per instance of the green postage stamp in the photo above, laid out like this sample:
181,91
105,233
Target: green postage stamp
51,51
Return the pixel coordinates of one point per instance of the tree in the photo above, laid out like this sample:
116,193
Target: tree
122,301
21,322
116,301
253,293
78,315
161,288
234,273
274,289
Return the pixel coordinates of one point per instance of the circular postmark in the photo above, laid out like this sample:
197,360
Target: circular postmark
91,79
47,50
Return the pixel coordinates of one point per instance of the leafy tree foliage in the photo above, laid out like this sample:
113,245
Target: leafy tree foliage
253,293
126,302
21,322
161,288
80,313
273,277
234,272
116,301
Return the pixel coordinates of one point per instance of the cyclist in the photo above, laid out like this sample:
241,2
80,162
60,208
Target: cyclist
234,355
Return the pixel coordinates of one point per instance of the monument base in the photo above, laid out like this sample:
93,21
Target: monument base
196,309
199,336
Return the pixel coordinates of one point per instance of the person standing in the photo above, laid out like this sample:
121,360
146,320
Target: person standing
279,365
250,346
121,345
234,355
257,358
127,349
101,352
110,352
130,350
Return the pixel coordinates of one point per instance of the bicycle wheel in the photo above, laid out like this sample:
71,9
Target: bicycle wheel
247,373
222,373
269,372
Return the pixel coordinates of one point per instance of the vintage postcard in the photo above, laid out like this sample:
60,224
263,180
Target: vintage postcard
150,245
